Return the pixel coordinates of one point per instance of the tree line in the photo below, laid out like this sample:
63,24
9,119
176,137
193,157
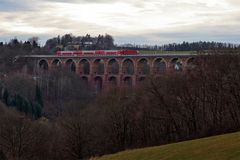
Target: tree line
9,50
15,47
199,46
71,42
184,46
101,42
203,101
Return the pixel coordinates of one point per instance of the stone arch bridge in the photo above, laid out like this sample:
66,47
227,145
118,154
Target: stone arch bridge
102,71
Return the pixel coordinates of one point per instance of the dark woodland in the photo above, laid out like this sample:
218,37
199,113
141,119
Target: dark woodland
58,117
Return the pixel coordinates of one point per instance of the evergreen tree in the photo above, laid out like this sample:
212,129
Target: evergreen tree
38,96
19,103
37,110
5,96
26,106
2,155
12,100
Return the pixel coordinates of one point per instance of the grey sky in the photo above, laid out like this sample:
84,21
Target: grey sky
135,21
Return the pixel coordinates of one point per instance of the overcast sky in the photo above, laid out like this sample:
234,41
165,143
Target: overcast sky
129,21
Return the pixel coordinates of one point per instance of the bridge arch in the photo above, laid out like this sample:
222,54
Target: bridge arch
159,65
70,65
113,67
84,67
176,64
98,66
190,61
128,67
143,66
84,79
128,81
141,80
43,64
112,81
98,84
56,63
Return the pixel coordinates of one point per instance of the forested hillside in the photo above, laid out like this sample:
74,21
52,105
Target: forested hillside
77,124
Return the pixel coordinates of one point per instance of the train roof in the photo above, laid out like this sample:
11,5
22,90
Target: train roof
98,50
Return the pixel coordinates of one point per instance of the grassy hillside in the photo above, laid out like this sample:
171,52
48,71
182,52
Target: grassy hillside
224,147
168,52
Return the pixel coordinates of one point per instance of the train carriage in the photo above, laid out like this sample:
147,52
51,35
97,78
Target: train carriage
98,52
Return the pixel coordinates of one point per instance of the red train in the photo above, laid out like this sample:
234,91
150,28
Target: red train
99,52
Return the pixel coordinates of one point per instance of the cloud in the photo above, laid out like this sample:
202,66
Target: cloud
235,2
152,21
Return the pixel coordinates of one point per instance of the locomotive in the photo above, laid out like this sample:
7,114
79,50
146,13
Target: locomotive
98,52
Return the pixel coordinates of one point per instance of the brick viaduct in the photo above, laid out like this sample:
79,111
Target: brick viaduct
101,71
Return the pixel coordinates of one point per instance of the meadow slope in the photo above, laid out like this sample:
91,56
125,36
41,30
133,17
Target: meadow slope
223,147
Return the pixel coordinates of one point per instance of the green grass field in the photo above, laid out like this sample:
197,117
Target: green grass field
224,147
168,52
